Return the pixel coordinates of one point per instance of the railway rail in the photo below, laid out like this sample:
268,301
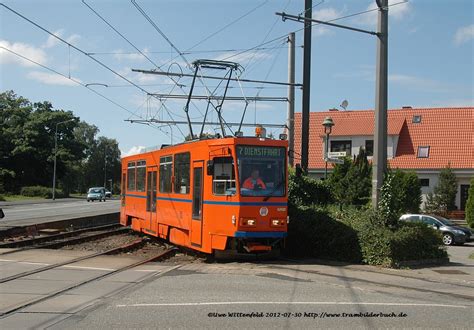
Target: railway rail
50,295
62,239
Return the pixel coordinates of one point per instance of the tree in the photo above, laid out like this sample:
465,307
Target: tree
446,189
391,198
338,182
470,205
359,178
412,192
444,193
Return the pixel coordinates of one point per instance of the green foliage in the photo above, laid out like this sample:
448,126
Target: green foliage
303,190
313,233
384,246
2,199
400,193
351,182
391,198
446,189
40,191
412,188
470,205
444,194
27,148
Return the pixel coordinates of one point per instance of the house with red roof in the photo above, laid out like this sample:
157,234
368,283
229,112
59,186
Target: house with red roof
424,140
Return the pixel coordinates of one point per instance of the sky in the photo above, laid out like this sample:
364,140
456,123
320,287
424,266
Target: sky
431,45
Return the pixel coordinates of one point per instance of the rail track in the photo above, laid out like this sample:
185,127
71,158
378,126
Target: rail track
63,239
133,245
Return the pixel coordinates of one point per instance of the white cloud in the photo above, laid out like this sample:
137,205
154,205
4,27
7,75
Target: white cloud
51,78
133,151
29,51
424,84
326,14
244,57
53,41
123,56
397,12
464,34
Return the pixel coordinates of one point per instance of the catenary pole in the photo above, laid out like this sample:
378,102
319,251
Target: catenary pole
379,164
308,5
290,121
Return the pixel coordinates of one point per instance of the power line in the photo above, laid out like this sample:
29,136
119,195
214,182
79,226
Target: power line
229,24
202,51
120,34
130,43
73,80
301,29
144,14
76,48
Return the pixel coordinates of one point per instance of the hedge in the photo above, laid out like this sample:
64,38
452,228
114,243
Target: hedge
313,233
40,191
359,236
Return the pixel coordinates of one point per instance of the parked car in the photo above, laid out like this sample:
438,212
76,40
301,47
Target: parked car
108,194
96,194
452,234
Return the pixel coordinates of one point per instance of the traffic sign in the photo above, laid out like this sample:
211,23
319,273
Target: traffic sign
337,154
335,160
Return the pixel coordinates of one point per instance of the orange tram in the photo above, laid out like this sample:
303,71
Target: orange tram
224,194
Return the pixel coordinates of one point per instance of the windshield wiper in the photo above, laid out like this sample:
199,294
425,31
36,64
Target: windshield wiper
274,190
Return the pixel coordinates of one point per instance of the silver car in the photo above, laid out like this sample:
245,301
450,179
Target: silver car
452,234
96,194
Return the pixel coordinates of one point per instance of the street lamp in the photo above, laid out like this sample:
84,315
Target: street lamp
55,153
328,124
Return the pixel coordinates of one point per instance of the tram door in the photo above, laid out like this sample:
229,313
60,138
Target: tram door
196,221
123,187
151,196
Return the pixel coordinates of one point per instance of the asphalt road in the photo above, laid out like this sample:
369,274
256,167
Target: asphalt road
280,294
32,213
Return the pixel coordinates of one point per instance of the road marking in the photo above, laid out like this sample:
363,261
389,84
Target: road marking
33,263
90,268
24,262
224,303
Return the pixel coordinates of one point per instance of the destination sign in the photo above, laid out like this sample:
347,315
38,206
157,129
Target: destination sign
252,151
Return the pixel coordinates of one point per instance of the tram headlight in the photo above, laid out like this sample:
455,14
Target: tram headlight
248,222
278,222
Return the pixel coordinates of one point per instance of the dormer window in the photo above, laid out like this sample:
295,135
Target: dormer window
423,151
416,119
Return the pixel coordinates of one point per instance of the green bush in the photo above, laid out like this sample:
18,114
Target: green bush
40,191
470,205
389,247
313,233
2,199
303,190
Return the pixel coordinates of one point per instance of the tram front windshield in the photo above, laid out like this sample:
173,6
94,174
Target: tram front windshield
261,170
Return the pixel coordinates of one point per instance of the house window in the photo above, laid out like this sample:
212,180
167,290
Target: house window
166,164
369,147
425,182
342,146
141,172
423,151
181,173
416,119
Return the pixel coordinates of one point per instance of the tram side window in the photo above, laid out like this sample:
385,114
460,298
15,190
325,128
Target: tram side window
131,176
141,172
166,164
223,182
181,173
